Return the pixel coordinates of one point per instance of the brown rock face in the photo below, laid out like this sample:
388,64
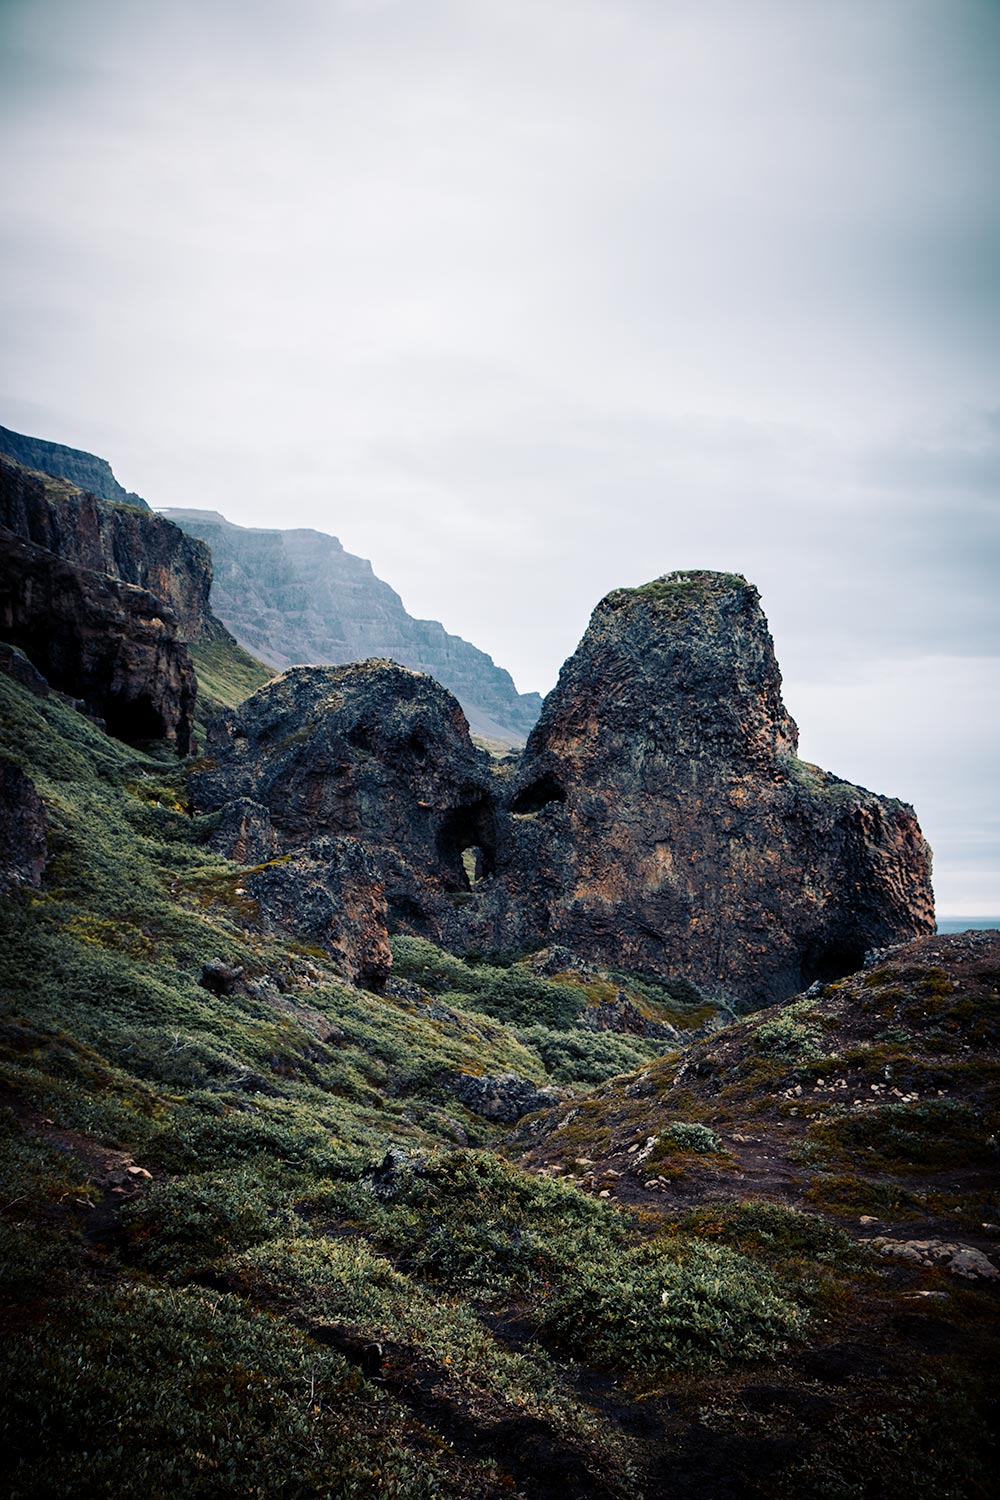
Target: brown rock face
130,545
660,819
23,828
111,644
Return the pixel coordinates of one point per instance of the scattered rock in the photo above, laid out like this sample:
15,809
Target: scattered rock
960,1260
502,1097
221,978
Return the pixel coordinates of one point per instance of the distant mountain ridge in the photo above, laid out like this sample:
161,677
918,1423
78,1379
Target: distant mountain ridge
84,470
297,597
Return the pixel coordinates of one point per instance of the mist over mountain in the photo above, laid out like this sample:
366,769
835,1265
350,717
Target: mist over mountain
297,597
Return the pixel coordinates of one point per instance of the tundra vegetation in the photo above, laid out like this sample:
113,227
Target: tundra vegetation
253,1243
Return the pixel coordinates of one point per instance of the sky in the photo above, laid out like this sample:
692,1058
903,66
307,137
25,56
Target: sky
529,299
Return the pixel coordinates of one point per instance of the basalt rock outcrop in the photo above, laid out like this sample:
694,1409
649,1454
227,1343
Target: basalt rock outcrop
298,597
659,818
84,470
129,545
109,644
364,779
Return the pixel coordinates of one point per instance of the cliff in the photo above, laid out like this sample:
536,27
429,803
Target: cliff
103,599
113,646
82,469
298,597
659,818
130,545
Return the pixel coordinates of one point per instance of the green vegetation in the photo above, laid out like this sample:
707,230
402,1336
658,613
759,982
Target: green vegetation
793,1035
178,1329
903,1137
512,994
253,1243
226,675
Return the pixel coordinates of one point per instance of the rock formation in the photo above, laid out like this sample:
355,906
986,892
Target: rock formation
81,469
126,544
112,645
658,820
366,776
297,597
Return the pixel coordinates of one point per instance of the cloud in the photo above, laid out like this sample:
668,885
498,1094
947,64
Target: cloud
527,300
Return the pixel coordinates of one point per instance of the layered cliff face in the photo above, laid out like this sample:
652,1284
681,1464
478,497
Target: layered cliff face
112,645
297,597
126,544
667,824
82,469
659,818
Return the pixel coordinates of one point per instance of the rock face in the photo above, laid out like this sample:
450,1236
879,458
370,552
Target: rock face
366,776
126,544
81,469
111,644
661,820
297,597
23,829
658,819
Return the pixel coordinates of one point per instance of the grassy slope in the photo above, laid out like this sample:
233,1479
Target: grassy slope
277,1309
226,675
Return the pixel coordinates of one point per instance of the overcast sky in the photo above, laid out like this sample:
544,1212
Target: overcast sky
527,299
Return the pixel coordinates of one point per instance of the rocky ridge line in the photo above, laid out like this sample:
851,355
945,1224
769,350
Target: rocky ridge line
297,597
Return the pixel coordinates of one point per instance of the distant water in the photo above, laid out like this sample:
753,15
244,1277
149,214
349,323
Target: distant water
962,924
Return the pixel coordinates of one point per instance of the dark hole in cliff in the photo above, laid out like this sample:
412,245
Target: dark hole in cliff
832,960
134,720
402,911
538,795
466,842
418,745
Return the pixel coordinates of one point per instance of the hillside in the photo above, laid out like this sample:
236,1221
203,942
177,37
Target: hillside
268,1233
297,597
373,1118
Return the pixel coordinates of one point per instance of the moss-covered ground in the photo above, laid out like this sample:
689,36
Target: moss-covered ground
252,1244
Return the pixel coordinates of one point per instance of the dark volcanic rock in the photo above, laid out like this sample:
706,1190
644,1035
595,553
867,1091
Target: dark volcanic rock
298,597
658,820
366,757
112,645
14,663
331,893
503,1096
81,469
23,829
132,546
661,821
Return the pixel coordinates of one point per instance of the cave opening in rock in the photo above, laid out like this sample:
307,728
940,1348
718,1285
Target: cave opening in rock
466,843
539,794
833,959
134,720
